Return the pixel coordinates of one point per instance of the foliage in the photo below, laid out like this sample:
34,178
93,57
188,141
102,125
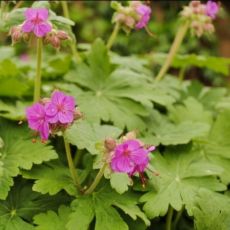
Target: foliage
187,121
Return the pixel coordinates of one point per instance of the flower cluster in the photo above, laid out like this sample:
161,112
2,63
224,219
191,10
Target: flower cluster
135,15
130,156
201,16
36,23
51,115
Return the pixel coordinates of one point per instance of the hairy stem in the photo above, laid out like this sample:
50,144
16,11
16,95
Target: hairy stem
73,44
37,80
173,50
72,169
96,180
113,36
169,218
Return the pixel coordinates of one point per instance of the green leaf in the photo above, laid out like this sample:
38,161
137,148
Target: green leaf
82,215
17,153
191,110
17,211
41,4
51,220
85,135
181,174
217,64
170,134
101,205
56,66
120,182
111,93
217,144
212,211
51,178
11,81
13,111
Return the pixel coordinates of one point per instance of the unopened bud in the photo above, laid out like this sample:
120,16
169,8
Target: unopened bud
195,3
110,144
62,35
45,100
16,34
26,37
130,136
55,42
77,114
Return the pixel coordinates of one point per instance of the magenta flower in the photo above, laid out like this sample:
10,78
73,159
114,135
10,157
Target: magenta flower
212,9
61,108
144,13
36,22
130,157
37,120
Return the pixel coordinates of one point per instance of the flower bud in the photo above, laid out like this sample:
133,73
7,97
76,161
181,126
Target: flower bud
62,35
195,3
110,144
77,114
55,42
16,34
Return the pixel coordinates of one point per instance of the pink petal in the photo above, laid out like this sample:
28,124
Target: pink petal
54,119
57,97
42,29
43,13
122,164
27,26
30,13
65,117
44,131
51,109
70,102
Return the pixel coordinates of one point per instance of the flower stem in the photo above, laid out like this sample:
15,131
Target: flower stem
182,73
96,180
173,50
2,9
169,218
72,169
73,44
113,36
37,80
77,157
178,216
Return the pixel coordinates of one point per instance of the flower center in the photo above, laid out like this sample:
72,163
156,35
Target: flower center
37,20
60,108
126,152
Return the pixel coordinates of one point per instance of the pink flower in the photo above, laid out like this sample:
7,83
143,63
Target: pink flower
61,108
144,13
212,9
37,120
130,157
36,21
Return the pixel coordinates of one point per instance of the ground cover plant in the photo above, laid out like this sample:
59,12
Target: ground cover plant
93,139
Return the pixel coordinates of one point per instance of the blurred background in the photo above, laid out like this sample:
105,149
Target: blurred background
93,19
